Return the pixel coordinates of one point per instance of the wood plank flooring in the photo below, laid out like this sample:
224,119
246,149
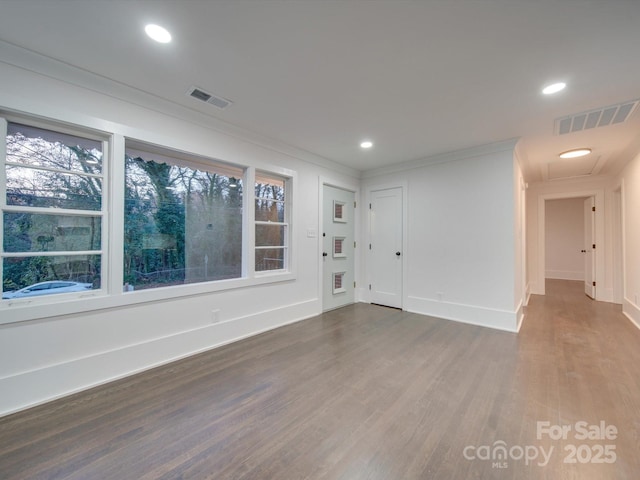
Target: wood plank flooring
363,392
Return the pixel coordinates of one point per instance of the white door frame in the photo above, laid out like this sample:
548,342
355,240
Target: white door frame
599,258
322,181
405,251
589,228
619,267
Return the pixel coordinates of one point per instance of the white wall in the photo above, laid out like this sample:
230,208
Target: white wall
564,239
460,260
630,180
58,354
464,241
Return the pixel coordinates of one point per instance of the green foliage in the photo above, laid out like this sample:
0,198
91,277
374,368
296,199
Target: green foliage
183,225
49,173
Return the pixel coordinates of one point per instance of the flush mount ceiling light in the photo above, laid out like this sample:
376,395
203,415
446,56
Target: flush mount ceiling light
158,33
554,88
366,144
578,152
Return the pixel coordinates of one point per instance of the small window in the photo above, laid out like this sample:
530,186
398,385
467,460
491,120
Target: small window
338,247
339,212
183,219
52,211
338,282
271,225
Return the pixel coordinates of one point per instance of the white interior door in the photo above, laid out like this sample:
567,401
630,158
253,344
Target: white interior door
385,250
589,248
338,248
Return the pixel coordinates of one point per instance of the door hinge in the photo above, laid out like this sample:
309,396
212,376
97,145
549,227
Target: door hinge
369,206
354,284
594,284
594,246
354,244
354,204
369,286
593,209
369,246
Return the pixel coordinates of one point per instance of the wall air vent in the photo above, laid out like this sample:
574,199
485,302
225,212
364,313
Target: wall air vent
215,100
601,117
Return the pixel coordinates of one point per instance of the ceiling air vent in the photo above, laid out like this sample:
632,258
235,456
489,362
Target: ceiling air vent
595,118
215,100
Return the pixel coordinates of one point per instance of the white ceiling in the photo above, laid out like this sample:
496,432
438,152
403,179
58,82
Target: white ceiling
419,78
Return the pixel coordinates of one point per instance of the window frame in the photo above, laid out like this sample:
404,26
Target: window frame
103,213
111,295
286,223
195,162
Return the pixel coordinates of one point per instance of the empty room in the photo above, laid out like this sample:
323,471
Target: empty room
300,239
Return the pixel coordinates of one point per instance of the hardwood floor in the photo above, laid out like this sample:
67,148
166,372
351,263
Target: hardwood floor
363,392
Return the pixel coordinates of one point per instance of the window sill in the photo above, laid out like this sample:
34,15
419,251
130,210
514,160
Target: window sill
23,310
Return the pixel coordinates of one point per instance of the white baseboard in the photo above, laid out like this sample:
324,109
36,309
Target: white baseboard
631,311
520,315
471,314
31,388
565,275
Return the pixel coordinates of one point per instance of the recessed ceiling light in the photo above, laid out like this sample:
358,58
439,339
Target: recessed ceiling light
158,33
366,144
554,88
578,152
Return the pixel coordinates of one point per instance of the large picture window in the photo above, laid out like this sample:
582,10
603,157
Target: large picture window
88,217
271,223
52,211
183,220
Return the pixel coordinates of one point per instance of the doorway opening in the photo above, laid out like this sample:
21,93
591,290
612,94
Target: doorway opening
569,241
570,228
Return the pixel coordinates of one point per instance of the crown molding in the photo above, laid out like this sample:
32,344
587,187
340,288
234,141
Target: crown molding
34,62
463,154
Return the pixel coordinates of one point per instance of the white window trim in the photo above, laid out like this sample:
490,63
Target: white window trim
289,183
111,294
103,213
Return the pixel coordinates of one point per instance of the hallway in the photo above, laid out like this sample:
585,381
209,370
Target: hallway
578,361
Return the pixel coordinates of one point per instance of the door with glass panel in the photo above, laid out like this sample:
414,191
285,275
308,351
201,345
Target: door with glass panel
338,248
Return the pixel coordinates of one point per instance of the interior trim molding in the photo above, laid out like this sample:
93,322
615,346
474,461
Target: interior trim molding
631,311
30,388
471,314
464,154
22,58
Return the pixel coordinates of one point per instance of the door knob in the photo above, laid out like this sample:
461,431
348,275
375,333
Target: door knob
324,254
397,254
583,251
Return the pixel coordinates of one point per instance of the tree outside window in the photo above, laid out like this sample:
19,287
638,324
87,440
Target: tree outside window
52,208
